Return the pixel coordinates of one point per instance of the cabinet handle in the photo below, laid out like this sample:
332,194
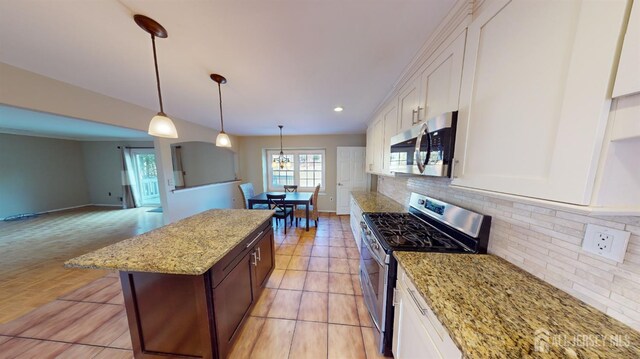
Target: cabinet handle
454,162
259,256
395,296
413,117
418,113
255,259
423,311
255,239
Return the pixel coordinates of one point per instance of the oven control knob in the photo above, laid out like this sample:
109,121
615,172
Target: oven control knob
421,201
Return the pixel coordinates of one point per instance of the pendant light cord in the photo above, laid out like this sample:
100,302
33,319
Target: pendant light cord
155,62
221,118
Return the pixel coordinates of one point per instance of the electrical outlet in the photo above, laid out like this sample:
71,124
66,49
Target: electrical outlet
606,242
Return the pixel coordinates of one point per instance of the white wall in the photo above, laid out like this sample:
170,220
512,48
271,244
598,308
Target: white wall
40,174
28,90
189,201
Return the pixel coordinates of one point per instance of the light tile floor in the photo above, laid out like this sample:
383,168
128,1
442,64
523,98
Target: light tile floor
312,308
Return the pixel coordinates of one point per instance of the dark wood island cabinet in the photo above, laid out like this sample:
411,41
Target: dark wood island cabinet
175,315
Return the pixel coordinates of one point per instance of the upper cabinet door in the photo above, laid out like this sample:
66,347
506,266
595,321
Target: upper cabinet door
390,118
369,150
535,97
408,104
628,77
440,82
378,142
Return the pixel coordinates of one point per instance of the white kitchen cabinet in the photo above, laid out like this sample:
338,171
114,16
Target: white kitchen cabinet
369,150
408,104
355,215
417,332
440,82
535,97
390,120
379,135
378,145
628,76
435,89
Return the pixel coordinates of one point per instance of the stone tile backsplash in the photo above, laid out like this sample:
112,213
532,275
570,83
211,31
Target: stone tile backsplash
546,242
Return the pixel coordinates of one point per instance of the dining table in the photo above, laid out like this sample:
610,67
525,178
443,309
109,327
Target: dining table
291,199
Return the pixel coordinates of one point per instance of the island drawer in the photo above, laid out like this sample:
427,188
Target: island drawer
225,265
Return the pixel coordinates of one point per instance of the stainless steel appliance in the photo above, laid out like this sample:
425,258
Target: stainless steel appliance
430,226
427,148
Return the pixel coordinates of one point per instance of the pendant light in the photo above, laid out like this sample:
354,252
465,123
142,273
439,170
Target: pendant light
282,160
223,139
160,125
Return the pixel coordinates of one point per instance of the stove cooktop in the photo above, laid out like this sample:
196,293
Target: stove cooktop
405,232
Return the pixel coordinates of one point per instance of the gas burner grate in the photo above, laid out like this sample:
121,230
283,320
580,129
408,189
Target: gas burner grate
404,231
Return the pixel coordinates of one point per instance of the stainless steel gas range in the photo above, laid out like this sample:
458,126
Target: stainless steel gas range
430,226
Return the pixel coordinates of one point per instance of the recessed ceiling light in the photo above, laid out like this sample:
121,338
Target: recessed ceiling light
338,109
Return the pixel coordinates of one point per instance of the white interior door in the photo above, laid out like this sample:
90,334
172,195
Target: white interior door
351,175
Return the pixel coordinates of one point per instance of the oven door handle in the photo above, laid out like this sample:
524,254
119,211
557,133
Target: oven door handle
367,245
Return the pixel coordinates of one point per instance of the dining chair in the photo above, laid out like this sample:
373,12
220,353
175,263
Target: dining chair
300,211
291,188
247,193
276,201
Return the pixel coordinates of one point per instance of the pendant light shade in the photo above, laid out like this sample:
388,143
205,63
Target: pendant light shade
160,125
223,139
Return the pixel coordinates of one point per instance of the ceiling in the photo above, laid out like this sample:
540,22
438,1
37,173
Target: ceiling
32,123
287,62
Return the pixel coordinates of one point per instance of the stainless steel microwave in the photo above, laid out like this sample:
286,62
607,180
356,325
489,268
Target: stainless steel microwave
427,148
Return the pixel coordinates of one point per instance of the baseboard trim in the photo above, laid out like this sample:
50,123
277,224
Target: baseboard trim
75,207
51,210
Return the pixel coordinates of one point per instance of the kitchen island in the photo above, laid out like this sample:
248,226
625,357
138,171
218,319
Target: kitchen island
189,286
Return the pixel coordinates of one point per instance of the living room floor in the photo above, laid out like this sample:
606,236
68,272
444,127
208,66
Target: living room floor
32,252
312,308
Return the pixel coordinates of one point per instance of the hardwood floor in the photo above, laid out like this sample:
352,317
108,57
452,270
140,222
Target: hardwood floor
33,251
312,308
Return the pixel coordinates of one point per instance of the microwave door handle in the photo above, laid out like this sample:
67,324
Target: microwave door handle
418,159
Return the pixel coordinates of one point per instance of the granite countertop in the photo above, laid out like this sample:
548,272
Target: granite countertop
492,309
376,202
190,246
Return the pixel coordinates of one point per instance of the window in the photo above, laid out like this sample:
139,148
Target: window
305,168
282,175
